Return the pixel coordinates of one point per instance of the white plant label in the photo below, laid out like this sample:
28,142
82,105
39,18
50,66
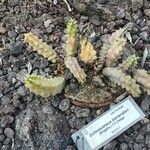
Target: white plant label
108,126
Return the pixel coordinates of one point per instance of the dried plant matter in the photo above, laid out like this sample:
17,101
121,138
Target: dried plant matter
88,94
123,80
144,79
44,86
130,62
88,54
78,72
41,47
113,48
71,43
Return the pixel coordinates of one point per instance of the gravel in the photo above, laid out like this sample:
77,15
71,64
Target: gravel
64,104
6,120
28,120
9,132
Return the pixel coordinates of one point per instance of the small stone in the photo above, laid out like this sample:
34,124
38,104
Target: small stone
84,19
64,104
95,20
147,140
2,30
12,34
143,23
55,101
82,112
9,132
17,48
21,91
70,148
148,128
6,120
145,103
110,146
5,100
110,25
148,23
144,35
21,74
47,23
5,147
9,108
137,4
137,146
139,45
121,13
123,146
2,138
49,30
139,138
147,12
7,141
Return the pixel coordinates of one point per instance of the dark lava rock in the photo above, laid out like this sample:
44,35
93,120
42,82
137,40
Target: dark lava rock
95,20
17,49
9,132
9,108
2,138
82,112
110,146
123,146
40,126
145,103
6,120
64,104
136,4
144,35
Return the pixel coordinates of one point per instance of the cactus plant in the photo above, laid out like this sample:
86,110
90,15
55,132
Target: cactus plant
112,74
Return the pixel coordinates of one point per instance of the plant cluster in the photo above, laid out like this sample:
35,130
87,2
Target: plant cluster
93,91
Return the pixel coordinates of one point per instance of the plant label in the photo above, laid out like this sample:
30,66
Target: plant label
108,126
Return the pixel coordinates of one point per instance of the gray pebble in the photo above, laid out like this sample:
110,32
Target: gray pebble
21,74
47,23
6,120
110,25
148,23
95,20
123,146
110,146
5,100
49,30
55,101
139,138
81,112
145,103
121,13
144,35
147,12
9,108
21,91
84,19
147,140
136,4
5,147
139,45
7,141
148,128
137,146
9,132
70,148
64,104
2,138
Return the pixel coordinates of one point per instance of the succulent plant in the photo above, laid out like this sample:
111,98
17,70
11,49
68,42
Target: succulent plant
91,91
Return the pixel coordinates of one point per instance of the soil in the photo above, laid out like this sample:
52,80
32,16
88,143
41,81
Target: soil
30,122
